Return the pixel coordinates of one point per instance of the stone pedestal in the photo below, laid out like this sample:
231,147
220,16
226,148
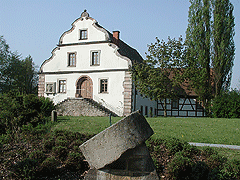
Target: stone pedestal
54,116
119,152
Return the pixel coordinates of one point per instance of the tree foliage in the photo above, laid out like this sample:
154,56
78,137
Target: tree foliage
16,74
210,47
198,49
223,44
226,105
17,110
204,61
158,77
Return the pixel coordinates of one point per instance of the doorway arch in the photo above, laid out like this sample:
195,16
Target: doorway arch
84,87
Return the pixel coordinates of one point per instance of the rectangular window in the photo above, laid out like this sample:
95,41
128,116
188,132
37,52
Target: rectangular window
103,85
95,58
72,59
62,86
50,88
174,103
83,34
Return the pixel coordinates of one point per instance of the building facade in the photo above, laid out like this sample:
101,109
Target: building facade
90,62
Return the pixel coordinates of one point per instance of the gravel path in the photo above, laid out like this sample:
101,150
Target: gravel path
216,145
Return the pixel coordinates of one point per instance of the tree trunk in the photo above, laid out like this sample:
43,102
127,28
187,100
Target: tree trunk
165,107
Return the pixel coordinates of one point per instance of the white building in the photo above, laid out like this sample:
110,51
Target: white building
90,62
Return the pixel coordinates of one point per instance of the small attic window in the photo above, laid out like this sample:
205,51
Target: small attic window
83,34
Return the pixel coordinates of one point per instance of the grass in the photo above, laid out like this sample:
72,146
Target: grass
202,130
83,124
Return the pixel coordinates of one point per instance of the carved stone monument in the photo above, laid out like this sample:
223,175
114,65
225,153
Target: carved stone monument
119,152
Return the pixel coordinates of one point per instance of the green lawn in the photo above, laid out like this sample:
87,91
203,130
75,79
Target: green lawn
89,125
202,130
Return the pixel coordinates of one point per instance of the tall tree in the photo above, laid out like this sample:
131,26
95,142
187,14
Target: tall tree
198,49
16,74
209,40
30,79
158,77
223,44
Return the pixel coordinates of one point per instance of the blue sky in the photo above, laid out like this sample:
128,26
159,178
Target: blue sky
33,27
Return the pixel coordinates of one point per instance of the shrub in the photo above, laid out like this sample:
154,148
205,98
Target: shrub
226,105
200,171
5,138
25,169
190,150
208,151
60,152
174,145
75,161
46,106
215,161
37,155
181,167
230,170
49,165
18,110
76,143
48,143
9,109
61,141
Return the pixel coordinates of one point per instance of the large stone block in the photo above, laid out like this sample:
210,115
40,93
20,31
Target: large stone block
107,146
136,160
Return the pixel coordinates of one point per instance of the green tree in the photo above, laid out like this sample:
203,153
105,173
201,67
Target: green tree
210,47
223,44
198,49
4,56
159,76
29,79
16,74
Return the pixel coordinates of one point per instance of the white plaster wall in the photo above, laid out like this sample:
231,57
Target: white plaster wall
108,58
73,35
112,100
109,61
140,101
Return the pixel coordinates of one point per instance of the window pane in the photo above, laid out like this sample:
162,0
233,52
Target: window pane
103,85
72,59
62,86
95,58
83,34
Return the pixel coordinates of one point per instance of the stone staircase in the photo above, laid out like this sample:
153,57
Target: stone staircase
82,107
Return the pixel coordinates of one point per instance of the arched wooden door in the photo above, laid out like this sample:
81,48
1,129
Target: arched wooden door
84,87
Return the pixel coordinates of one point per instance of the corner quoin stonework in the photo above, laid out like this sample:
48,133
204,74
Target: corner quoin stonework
120,151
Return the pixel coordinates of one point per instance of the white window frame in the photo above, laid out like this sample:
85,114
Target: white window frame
100,86
59,86
85,35
52,87
93,63
69,60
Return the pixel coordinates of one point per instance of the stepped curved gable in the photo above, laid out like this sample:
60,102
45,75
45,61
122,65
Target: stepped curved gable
90,62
